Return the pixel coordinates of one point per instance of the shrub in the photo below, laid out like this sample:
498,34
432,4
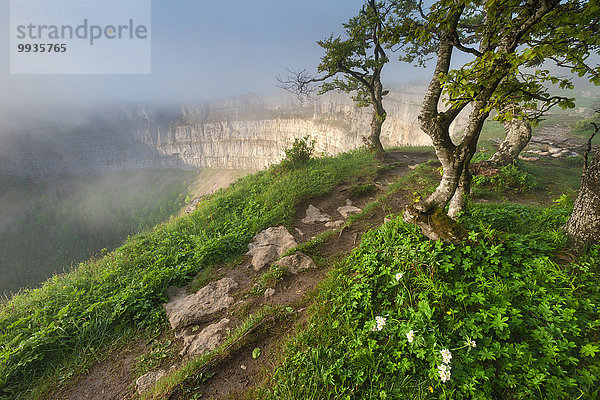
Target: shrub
301,151
508,179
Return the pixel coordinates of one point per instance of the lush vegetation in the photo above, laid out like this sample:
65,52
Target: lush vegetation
71,220
509,314
509,178
102,300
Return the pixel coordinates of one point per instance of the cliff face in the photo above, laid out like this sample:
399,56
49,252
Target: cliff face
248,132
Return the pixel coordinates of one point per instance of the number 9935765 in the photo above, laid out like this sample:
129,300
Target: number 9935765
41,48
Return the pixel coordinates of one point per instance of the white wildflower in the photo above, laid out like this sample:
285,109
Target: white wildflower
444,372
472,343
446,355
399,276
410,336
379,323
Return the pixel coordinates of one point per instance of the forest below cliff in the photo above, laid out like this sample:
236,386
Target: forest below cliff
51,227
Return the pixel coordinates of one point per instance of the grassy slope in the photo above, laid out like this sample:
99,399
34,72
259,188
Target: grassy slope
101,301
79,312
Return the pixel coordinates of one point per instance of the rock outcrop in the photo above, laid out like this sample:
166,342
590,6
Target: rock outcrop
207,339
348,209
314,215
202,305
269,245
297,262
146,381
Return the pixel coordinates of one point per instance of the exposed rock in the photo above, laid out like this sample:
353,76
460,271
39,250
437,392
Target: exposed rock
269,293
334,224
554,150
314,215
413,166
297,262
348,202
348,209
300,232
527,158
148,380
193,205
202,305
269,245
208,339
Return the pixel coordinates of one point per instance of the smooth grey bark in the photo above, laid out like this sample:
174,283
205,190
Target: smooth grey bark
517,136
583,226
458,201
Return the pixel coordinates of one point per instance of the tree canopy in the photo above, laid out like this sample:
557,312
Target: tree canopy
352,64
509,44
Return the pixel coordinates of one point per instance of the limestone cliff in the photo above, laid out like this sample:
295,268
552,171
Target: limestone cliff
247,132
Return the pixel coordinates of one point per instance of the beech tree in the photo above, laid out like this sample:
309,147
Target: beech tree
508,43
517,136
353,65
583,226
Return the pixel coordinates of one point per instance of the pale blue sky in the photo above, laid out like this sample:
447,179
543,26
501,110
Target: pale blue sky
203,50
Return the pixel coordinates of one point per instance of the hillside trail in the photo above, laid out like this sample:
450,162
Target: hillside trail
114,376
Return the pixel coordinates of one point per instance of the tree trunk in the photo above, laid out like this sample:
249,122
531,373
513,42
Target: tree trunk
583,227
517,136
458,201
373,141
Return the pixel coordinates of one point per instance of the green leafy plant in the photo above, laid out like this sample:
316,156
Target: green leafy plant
405,317
360,190
256,353
160,350
301,151
508,179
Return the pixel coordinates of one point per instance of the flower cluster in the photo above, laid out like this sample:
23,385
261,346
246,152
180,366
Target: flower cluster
379,323
410,336
399,276
444,369
446,356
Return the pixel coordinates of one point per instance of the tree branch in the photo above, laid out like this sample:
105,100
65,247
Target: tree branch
300,83
588,149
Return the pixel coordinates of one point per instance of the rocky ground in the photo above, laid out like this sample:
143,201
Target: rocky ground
552,141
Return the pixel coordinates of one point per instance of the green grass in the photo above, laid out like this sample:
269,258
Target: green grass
555,177
82,311
534,322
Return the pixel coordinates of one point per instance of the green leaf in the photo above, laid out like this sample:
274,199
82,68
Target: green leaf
256,353
589,350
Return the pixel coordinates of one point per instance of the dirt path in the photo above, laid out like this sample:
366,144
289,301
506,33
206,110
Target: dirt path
113,378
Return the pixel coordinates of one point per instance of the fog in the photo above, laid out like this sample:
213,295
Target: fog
200,50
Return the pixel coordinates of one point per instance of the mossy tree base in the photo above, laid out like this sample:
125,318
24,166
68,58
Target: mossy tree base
436,225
